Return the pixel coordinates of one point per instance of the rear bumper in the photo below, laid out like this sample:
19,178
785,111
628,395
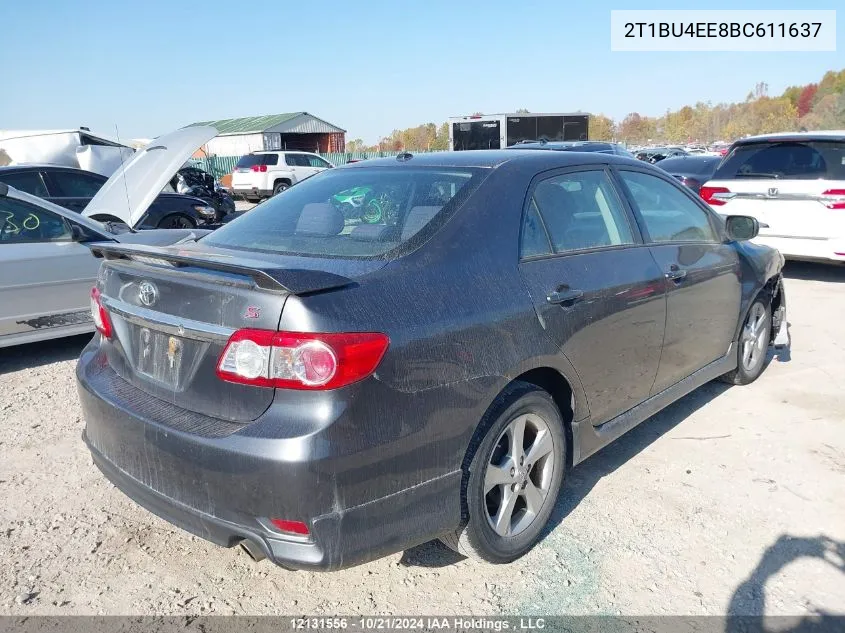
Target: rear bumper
225,487
252,192
823,250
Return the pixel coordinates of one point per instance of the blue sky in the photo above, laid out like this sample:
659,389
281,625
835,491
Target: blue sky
367,66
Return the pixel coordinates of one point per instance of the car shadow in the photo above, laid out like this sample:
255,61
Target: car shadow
749,598
32,355
812,271
583,478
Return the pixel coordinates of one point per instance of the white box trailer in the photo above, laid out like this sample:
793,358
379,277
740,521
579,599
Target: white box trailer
497,131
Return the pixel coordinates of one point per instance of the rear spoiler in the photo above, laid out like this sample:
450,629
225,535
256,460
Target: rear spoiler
263,273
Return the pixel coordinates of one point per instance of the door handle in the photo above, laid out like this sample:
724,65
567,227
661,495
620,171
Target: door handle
675,273
564,296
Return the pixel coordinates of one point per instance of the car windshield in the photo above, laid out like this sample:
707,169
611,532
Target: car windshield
351,212
793,159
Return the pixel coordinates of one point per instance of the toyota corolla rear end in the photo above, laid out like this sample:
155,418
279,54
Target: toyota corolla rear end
215,397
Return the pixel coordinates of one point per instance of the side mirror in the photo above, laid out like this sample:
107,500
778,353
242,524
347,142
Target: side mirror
741,227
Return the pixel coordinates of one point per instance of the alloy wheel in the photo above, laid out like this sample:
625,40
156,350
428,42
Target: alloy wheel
519,475
754,338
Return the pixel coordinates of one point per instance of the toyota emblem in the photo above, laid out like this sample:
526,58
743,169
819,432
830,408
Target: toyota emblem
147,293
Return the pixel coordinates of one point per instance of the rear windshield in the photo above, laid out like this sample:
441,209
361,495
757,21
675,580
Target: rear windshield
796,160
258,159
354,212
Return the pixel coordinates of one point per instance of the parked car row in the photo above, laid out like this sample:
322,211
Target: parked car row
199,202
289,346
48,270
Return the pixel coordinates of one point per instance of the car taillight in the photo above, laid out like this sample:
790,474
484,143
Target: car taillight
99,315
711,195
833,198
300,360
258,168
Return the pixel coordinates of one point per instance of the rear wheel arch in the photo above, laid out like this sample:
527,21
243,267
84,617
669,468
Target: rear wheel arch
548,379
550,397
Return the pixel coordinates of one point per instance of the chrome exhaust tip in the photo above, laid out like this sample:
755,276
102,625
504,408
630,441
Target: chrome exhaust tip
253,550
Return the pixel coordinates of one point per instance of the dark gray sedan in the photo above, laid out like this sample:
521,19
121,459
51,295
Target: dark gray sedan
324,389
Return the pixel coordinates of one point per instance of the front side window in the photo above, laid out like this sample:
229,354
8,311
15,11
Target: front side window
72,185
364,212
22,223
581,210
27,181
668,214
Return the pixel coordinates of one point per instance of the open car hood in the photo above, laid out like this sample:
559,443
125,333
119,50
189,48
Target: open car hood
132,188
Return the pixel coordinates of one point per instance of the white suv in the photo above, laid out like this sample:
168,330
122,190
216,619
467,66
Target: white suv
794,184
264,174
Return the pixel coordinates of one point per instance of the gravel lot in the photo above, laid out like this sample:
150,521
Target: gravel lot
730,500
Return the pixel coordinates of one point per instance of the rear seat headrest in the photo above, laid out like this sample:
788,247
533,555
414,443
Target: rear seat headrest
319,218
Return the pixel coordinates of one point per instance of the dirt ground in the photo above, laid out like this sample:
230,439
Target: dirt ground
731,500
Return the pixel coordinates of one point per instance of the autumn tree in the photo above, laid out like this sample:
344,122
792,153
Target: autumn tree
355,145
602,128
805,100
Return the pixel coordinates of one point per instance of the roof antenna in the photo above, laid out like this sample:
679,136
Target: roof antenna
125,186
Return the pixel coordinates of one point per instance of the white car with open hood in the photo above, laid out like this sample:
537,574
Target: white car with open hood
48,268
794,185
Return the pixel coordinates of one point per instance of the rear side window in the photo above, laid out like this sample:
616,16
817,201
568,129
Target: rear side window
581,210
28,181
73,185
795,160
361,212
534,241
668,214
316,161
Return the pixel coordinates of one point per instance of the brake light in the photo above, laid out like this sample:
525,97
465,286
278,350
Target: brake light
833,198
258,168
300,360
711,195
292,527
99,315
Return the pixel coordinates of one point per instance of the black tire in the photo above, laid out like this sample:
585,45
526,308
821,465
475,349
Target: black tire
749,369
279,187
177,221
477,537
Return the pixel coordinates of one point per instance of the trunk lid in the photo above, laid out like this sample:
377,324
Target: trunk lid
787,208
173,310
130,190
